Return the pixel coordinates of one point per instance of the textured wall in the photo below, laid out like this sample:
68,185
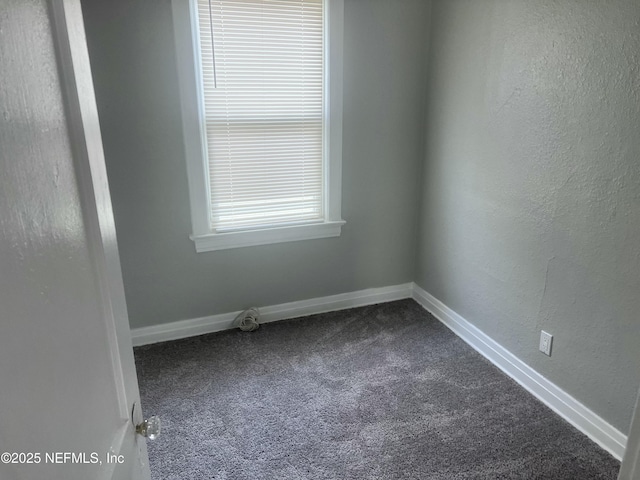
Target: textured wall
132,53
531,206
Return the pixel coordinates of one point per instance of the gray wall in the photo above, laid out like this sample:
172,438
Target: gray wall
133,60
531,205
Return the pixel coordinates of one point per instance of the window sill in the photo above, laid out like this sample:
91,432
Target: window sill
250,238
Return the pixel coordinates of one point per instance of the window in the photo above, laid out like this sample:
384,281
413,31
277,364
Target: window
261,95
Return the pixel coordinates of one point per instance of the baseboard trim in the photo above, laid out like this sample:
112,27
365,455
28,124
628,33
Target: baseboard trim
585,420
216,323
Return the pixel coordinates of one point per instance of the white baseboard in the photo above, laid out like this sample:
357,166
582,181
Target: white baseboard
585,420
216,323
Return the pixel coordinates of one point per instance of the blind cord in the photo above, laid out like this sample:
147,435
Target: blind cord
213,48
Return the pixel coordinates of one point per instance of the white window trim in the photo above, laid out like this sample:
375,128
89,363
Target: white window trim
184,17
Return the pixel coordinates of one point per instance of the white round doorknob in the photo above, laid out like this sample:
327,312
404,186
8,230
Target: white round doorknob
150,428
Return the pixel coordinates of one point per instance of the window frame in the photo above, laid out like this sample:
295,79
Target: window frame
193,124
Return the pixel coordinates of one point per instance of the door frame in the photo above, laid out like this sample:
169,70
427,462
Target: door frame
630,469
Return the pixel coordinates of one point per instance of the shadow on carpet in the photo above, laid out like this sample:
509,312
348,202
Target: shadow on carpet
378,392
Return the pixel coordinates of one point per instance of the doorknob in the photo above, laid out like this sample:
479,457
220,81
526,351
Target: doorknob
149,428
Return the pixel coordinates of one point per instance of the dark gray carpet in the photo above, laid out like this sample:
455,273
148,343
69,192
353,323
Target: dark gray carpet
379,392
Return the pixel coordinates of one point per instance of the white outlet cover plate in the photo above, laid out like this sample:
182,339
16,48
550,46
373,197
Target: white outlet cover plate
545,342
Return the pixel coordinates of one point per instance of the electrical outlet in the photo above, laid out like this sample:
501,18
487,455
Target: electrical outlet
545,342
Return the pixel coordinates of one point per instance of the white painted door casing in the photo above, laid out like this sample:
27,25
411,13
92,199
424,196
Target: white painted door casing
630,468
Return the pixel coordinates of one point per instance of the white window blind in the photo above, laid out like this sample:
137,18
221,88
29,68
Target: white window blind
262,78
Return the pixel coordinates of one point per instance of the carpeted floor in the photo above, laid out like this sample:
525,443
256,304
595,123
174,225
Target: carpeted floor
379,392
